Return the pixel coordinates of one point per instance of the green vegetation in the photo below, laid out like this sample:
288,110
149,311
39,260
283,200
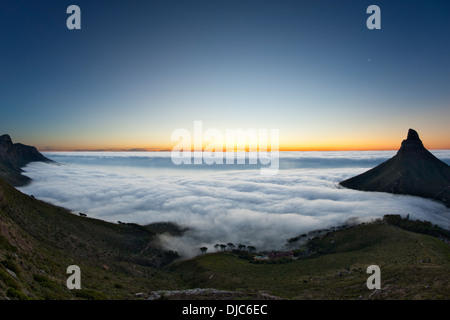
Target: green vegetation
15,294
39,241
90,294
425,227
9,264
413,266
7,280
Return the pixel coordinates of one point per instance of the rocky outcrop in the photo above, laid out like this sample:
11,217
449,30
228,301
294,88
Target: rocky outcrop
18,154
13,156
204,294
412,171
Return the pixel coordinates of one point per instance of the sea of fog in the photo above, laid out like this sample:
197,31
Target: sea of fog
223,203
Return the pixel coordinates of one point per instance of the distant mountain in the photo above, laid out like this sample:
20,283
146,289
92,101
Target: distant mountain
13,157
413,171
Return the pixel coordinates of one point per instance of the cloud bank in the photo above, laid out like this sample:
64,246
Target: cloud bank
227,204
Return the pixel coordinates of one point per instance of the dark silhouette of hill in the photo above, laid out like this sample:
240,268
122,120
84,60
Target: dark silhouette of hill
13,156
412,171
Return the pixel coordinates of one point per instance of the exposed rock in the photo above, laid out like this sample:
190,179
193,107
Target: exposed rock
18,154
204,294
13,157
412,171
12,273
141,295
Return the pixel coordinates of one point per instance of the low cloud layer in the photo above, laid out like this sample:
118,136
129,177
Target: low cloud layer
223,205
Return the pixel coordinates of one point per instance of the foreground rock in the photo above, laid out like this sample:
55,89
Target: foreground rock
204,294
412,171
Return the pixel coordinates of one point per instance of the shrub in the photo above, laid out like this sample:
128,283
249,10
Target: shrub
8,280
16,294
424,227
393,219
45,282
5,245
9,264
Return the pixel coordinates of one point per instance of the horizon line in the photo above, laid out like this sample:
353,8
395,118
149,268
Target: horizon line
170,150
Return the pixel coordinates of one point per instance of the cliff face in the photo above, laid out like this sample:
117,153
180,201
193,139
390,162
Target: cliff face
18,154
13,156
413,171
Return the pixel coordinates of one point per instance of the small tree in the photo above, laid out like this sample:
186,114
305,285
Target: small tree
216,246
241,246
229,244
223,246
251,248
394,219
203,249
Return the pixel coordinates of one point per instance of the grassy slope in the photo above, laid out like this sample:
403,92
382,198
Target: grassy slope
340,272
12,175
39,241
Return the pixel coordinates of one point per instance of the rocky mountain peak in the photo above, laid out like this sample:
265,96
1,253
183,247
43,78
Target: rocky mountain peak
413,171
6,145
413,135
412,145
17,154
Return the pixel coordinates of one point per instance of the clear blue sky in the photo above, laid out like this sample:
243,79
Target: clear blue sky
137,70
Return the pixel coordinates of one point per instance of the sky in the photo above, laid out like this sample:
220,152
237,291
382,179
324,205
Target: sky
138,70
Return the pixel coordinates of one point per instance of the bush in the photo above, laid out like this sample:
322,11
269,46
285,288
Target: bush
16,294
45,282
9,264
8,280
90,294
424,227
5,245
393,219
